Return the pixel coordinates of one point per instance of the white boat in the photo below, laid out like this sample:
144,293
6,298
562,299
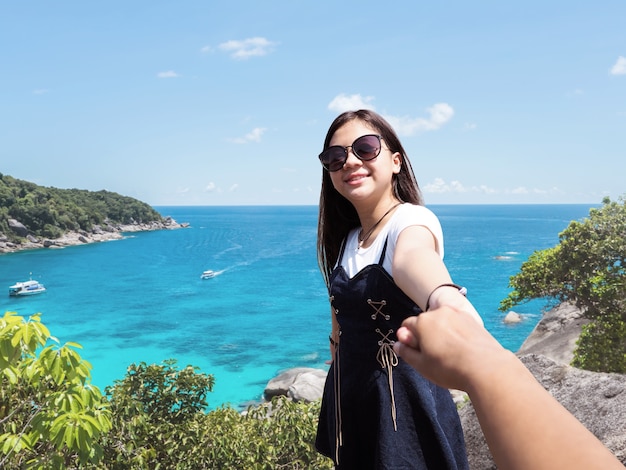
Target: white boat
29,287
208,274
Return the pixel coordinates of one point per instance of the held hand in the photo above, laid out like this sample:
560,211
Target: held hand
333,349
448,346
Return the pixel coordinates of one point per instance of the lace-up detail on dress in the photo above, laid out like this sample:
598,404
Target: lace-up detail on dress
378,306
388,359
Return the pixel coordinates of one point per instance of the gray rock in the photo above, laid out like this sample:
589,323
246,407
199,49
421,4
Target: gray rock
512,317
556,334
299,384
18,228
79,237
308,386
597,400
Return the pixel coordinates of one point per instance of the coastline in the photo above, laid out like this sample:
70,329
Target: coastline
99,233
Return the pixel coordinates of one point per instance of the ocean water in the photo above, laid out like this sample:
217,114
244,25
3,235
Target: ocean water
141,298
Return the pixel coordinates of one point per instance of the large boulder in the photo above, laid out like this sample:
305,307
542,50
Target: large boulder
18,228
299,384
556,334
598,400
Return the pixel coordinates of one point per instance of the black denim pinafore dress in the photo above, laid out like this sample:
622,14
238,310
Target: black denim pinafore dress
377,411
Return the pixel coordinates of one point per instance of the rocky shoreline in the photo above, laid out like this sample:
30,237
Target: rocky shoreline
98,233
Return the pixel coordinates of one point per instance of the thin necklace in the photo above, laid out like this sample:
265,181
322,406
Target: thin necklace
364,237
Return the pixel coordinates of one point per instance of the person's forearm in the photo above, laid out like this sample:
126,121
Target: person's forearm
526,428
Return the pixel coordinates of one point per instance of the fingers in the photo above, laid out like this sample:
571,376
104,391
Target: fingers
409,354
406,334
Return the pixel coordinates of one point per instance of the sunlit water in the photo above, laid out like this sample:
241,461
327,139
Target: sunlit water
142,299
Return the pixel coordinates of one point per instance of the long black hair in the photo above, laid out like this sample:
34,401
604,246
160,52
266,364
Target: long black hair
337,215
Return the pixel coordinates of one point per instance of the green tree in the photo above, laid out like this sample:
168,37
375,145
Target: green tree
49,212
156,414
588,269
160,422
50,416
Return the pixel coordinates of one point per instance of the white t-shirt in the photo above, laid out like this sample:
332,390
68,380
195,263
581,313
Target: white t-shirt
355,258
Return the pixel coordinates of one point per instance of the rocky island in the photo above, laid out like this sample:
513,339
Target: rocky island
33,216
97,233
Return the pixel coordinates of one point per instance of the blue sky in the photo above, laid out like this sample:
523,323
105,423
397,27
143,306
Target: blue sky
228,102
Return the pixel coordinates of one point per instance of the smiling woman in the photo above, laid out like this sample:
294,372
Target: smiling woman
381,255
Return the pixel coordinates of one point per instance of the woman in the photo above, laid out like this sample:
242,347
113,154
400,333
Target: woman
380,252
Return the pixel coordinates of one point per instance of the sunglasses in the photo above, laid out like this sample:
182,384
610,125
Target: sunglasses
365,148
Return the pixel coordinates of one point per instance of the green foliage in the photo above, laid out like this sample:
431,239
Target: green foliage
602,345
155,418
50,416
159,422
270,436
588,269
539,277
49,212
162,391
156,410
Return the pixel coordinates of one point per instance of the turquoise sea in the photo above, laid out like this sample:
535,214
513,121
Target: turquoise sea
141,298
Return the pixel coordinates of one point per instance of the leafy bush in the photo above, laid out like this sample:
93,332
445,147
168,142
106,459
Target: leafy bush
587,268
159,422
156,410
50,416
601,345
270,436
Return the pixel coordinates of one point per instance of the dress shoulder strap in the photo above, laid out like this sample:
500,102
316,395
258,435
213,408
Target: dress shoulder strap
383,252
343,248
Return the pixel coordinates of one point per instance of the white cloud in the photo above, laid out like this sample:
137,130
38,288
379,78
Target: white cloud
206,49
440,186
168,74
470,126
440,114
252,136
246,48
343,102
523,190
620,66
210,187
234,187
484,189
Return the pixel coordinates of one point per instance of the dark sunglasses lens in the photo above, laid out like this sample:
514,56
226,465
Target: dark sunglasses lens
333,158
367,147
